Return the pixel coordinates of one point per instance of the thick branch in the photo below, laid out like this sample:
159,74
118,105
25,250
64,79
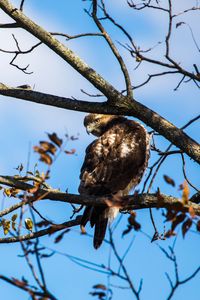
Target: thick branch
125,106
140,201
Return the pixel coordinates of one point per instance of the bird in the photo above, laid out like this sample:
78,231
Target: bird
114,165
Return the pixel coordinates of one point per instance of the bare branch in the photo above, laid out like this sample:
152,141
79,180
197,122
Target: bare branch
68,55
112,46
48,231
23,286
185,176
120,260
20,52
9,25
22,5
150,76
178,282
72,37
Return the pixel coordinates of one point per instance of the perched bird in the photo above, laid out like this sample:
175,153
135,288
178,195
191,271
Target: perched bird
114,164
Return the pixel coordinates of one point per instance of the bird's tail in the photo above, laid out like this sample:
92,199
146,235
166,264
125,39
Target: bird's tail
99,218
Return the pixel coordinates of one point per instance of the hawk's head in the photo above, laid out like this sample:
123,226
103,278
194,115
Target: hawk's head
97,124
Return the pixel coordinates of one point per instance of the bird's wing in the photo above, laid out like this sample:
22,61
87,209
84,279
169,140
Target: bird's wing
114,160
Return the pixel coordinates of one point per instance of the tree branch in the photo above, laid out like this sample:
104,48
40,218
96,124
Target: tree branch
23,286
113,48
48,231
135,202
67,54
125,106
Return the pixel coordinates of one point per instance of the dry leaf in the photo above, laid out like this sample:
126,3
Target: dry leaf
169,180
186,226
19,282
179,219
46,158
6,226
48,147
29,224
191,212
11,192
186,192
169,233
14,217
55,139
133,222
70,152
100,286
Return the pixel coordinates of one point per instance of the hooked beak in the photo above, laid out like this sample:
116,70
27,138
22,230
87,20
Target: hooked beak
88,129
88,132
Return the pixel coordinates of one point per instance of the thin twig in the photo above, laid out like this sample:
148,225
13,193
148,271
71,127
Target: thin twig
112,47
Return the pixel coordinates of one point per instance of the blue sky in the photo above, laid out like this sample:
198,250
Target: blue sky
24,124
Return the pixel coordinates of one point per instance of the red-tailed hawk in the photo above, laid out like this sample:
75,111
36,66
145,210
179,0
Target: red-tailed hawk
114,164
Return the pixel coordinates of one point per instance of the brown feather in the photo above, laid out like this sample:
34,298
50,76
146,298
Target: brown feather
100,229
114,164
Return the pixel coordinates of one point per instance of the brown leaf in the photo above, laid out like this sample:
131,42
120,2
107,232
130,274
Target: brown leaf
39,150
169,180
186,226
132,221
58,238
70,152
55,139
179,219
14,217
191,212
11,192
181,187
19,282
46,158
35,188
14,226
170,215
48,147
6,226
169,233
28,224
178,206
186,192
100,286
